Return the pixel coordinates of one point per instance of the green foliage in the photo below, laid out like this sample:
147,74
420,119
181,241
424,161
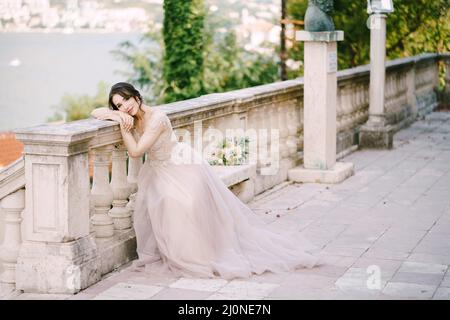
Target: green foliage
183,33
413,28
146,61
226,66
77,107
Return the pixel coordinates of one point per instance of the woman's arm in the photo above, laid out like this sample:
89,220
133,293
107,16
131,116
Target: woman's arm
151,133
107,114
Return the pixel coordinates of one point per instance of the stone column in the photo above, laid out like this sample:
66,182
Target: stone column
377,133
319,124
58,254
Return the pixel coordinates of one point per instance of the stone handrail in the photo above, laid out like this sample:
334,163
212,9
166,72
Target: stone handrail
12,178
74,231
12,203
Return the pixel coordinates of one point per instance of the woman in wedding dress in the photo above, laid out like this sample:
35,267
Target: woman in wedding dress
187,222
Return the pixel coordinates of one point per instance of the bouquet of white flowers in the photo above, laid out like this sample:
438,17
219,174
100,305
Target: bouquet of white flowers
230,152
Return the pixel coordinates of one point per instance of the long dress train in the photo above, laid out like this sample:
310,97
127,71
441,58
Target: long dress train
188,223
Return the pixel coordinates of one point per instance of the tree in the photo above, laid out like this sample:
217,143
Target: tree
226,65
183,33
414,27
146,62
77,107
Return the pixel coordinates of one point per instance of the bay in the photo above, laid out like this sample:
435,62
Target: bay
37,69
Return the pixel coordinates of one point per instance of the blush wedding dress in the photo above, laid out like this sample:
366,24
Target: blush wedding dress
188,223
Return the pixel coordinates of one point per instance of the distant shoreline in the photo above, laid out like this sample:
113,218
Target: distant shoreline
72,31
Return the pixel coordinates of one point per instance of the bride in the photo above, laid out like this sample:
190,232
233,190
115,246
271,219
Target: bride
187,221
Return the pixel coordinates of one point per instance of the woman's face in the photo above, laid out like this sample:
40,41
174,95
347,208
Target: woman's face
130,106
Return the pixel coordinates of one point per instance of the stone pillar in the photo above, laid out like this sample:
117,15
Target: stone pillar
319,124
377,133
12,206
58,254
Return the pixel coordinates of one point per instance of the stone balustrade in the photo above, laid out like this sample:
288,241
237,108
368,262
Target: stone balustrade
62,231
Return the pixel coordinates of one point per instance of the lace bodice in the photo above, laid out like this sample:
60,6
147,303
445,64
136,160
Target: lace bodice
162,148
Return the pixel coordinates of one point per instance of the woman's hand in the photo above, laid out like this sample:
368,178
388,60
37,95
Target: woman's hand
125,120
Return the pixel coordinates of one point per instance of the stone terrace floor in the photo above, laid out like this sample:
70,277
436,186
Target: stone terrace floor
392,218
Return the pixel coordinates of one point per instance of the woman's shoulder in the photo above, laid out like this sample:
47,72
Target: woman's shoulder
157,117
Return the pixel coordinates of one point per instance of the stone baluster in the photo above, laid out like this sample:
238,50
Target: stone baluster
292,131
358,110
339,107
282,125
298,112
102,194
134,165
345,105
347,108
274,126
364,110
354,106
263,136
446,94
120,214
12,206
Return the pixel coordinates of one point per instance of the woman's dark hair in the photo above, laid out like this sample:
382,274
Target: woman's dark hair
125,90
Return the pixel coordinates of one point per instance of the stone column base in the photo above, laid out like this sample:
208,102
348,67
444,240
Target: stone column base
340,172
376,137
45,267
116,251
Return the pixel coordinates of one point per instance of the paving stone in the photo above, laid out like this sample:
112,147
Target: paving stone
446,281
82,296
344,250
409,290
429,258
367,280
442,294
427,268
326,270
387,267
431,279
209,285
383,253
42,296
128,291
247,289
291,292
180,294
337,260
305,280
